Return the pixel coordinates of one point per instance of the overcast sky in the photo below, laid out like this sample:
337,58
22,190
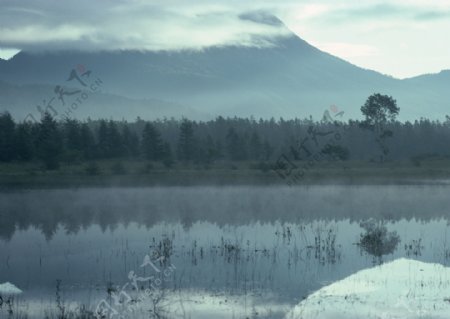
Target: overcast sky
402,38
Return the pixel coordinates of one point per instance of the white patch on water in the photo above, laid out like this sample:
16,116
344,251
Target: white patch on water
181,304
403,288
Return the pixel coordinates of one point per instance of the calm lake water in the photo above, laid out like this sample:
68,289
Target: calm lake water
203,252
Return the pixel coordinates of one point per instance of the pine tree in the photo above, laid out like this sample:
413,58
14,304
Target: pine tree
103,147
235,146
72,135
152,144
211,153
255,147
167,155
72,140
7,146
88,142
186,141
24,141
130,141
49,142
114,140
219,149
267,150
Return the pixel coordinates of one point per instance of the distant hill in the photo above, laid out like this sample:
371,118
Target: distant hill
22,101
291,78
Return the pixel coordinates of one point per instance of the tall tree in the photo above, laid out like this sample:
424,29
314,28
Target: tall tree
255,146
49,142
211,152
152,144
88,141
7,146
115,140
167,155
130,141
186,141
24,141
72,140
378,111
235,146
103,145
267,150
72,135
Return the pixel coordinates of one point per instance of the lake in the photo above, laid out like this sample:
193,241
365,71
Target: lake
203,252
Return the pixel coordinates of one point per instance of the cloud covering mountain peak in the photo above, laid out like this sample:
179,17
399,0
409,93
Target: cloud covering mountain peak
138,25
262,17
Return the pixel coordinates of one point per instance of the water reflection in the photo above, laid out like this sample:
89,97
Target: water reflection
77,209
276,245
377,240
289,261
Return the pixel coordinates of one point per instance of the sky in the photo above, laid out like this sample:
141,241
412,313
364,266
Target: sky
401,38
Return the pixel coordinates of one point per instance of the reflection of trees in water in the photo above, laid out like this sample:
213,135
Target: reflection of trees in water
376,240
75,210
7,226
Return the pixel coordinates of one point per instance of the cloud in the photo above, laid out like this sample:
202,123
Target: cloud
402,38
432,15
134,24
179,24
386,11
309,11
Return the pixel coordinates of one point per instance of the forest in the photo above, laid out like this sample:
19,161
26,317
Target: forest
377,138
171,141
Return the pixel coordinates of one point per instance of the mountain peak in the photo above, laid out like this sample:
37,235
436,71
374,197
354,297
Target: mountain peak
262,17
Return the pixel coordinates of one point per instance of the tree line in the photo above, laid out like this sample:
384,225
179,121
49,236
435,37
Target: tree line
378,136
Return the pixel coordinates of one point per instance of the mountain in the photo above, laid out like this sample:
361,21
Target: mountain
441,79
22,102
288,78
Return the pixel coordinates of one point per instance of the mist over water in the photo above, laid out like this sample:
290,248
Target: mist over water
267,243
75,208
226,160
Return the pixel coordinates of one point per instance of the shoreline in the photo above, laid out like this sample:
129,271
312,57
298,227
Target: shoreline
223,177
